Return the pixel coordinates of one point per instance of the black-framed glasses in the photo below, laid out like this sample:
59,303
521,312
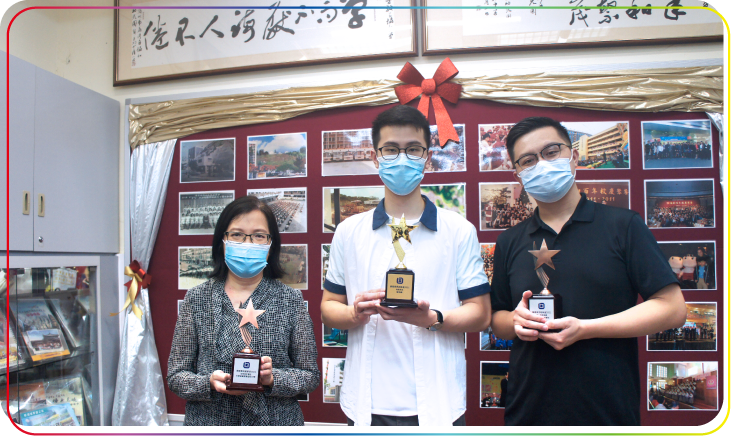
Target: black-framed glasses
255,238
413,152
549,153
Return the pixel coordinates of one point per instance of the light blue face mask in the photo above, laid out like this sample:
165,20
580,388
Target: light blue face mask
548,181
244,259
401,175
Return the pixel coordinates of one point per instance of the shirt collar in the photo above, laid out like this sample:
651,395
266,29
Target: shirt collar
428,217
584,212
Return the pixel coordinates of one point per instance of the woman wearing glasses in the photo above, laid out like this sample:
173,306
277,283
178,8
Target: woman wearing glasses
245,251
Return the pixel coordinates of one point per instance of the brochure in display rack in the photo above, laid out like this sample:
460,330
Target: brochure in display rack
10,355
74,320
67,391
58,415
41,332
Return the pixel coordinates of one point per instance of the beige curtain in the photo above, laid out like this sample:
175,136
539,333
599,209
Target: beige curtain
693,89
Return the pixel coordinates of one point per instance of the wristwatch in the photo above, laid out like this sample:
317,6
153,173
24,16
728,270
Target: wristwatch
440,322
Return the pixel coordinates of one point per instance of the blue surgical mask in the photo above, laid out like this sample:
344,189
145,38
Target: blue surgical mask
401,175
548,181
244,259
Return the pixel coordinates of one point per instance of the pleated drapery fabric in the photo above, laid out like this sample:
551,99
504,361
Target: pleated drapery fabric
690,89
139,397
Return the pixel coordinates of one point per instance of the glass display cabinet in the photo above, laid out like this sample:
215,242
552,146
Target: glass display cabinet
51,363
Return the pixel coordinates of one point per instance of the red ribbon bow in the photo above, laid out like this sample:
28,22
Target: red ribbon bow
140,279
433,90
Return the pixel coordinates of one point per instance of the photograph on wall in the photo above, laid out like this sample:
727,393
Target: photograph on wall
677,144
493,382
325,260
682,386
332,379
180,305
493,152
504,205
450,158
490,342
40,330
208,160
693,262
293,259
341,203
487,251
194,266
602,145
332,337
697,334
347,152
199,211
448,197
303,397
611,192
288,205
277,156
679,203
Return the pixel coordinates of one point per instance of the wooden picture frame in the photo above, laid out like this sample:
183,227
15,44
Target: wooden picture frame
495,28
181,41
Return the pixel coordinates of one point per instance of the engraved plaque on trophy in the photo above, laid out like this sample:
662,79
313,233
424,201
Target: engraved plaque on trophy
545,304
246,363
400,280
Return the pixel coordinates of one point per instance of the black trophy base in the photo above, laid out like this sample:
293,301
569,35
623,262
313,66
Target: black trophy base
399,288
243,364
548,306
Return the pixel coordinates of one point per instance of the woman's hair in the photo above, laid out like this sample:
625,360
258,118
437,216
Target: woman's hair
235,209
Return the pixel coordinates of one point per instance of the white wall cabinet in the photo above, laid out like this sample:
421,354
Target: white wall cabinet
64,164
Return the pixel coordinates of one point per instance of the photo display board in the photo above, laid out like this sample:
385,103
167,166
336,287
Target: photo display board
664,166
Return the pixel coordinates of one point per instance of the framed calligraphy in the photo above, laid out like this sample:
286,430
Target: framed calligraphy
158,40
501,25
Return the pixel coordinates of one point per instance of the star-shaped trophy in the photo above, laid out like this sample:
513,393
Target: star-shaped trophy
246,363
545,303
400,280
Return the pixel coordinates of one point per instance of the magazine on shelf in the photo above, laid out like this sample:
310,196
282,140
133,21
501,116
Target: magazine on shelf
10,354
41,332
24,397
74,320
55,416
67,391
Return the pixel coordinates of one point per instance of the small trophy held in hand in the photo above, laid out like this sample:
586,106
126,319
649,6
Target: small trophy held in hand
400,280
246,363
544,304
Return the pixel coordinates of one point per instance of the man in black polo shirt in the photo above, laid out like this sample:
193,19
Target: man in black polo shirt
588,373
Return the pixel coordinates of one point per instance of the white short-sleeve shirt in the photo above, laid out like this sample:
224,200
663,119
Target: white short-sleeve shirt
445,258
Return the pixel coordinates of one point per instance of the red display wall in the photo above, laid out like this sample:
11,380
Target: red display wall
164,291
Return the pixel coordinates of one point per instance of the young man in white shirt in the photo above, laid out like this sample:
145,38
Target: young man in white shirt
405,366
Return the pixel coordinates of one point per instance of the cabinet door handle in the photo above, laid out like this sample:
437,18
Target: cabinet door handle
41,205
26,203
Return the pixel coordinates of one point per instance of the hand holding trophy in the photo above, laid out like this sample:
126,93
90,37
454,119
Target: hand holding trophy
544,304
246,363
400,280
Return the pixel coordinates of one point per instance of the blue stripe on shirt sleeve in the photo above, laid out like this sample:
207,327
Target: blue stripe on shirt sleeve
334,287
474,291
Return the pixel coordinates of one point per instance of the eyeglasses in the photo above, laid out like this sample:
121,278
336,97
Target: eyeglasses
549,153
255,238
413,152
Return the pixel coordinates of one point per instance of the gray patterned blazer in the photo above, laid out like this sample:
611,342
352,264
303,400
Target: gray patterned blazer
207,336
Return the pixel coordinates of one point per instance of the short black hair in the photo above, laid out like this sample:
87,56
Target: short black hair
527,125
400,116
235,209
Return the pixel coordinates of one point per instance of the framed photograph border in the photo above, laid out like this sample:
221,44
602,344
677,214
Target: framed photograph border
642,145
464,148
116,81
181,141
479,203
647,378
307,264
322,268
307,157
178,267
479,378
322,154
324,374
323,339
715,263
629,146
647,337
452,184
425,51
324,199
479,156
180,212
629,186
713,187
248,192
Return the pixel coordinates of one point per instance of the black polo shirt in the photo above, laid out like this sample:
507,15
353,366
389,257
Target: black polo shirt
607,257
